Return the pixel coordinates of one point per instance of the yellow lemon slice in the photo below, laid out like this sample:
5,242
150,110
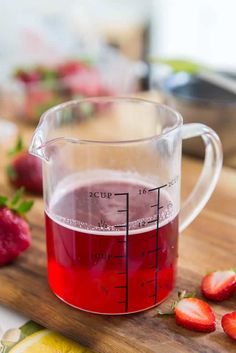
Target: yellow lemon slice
46,341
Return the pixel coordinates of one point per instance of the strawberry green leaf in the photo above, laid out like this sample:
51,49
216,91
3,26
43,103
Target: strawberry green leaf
173,305
10,170
87,61
18,147
3,200
16,204
161,313
25,206
18,195
49,75
183,294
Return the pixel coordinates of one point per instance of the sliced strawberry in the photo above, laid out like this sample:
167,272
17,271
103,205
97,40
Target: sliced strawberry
195,314
219,285
228,322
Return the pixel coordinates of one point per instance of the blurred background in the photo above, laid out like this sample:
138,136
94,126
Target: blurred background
51,51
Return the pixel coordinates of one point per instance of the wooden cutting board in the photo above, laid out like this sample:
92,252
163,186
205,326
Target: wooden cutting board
209,243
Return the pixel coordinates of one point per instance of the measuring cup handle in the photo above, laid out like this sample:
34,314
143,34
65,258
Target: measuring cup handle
209,175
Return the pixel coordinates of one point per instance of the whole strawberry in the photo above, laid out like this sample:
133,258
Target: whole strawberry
15,234
25,170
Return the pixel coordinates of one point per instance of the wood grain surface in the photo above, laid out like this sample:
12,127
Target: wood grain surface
208,243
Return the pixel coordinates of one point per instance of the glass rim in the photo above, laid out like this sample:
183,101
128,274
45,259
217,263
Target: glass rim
107,99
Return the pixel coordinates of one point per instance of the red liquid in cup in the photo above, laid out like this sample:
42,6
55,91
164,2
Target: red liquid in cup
93,264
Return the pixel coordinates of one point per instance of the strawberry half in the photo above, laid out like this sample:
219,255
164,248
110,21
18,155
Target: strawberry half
15,236
192,313
219,285
228,322
195,314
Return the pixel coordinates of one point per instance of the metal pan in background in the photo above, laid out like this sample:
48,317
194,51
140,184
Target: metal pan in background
201,101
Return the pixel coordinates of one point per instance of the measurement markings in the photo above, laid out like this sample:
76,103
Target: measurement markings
158,188
120,287
119,256
153,221
120,273
157,219
158,207
154,250
126,225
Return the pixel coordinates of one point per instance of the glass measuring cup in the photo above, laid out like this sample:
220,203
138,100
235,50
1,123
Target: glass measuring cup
111,172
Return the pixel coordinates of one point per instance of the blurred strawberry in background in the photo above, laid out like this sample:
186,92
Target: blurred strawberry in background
46,86
71,67
25,170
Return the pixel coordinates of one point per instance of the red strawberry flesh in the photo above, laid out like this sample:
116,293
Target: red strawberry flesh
195,314
228,322
15,235
219,285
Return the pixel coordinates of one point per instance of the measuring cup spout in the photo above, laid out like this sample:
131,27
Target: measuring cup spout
37,146
45,137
